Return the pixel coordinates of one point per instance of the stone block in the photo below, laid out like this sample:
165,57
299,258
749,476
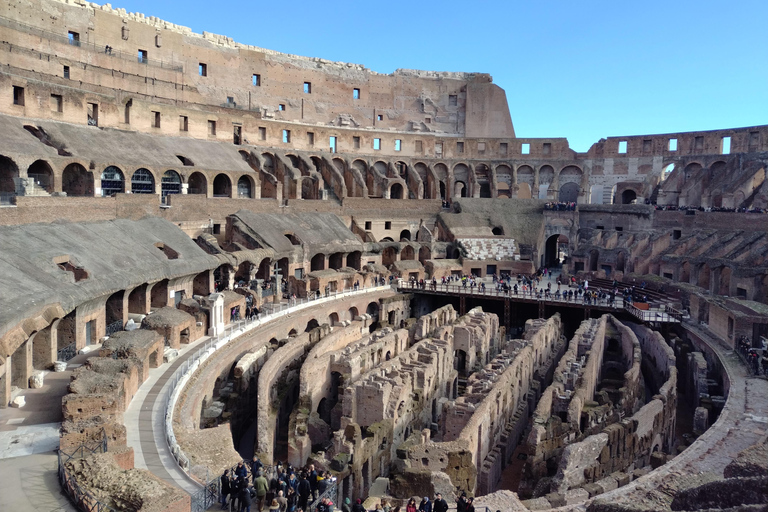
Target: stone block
537,504
575,496
19,402
36,379
169,354
621,478
60,366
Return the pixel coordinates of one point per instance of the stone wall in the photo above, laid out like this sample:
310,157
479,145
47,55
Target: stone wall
480,427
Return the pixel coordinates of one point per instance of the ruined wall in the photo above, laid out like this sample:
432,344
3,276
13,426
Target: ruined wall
630,442
490,415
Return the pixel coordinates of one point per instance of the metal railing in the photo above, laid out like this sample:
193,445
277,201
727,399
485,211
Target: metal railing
666,314
114,327
80,497
182,374
105,48
67,353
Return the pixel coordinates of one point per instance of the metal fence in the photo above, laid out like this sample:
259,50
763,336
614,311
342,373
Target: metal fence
80,497
94,47
67,353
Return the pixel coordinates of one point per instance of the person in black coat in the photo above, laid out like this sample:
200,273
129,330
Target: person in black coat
305,490
440,505
225,488
246,498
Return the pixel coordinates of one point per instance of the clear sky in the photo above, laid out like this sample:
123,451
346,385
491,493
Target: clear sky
577,69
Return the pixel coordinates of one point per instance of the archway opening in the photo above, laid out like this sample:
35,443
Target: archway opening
336,260
628,196
317,262
407,253
197,184
222,186
244,188
159,294
569,193
112,181
8,171
41,172
556,250
396,191
76,181
170,183
142,182
405,235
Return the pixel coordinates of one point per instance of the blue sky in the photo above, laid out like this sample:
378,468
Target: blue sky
581,70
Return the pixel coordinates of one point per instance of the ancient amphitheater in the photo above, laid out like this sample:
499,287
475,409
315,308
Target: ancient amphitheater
213,251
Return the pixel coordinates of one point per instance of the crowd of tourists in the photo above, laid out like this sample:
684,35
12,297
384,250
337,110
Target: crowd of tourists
670,207
757,362
560,206
283,488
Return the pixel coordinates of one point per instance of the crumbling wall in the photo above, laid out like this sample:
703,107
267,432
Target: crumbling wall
479,428
633,440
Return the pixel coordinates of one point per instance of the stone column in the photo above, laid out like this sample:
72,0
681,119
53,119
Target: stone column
5,383
21,367
44,349
215,302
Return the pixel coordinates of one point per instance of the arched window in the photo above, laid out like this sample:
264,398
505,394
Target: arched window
142,182
112,181
171,183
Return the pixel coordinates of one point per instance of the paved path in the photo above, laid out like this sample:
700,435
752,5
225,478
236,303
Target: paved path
30,484
145,423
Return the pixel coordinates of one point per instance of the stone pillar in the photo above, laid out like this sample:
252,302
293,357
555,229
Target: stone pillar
126,296
44,349
5,383
21,367
215,303
700,420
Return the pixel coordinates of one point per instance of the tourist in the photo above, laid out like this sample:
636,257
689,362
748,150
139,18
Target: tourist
358,506
440,504
470,505
411,507
246,498
305,490
282,501
226,487
346,506
261,486
425,505
241,471
461,503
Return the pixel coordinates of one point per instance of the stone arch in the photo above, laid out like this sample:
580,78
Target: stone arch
8,171
40,171
425,253
621,261
569,192
594,257
685,272
336,260
333,319
407,253
441,173
546,178
317,262
388,256
427,180
312,324
396,191
552,250
352,312
704,274
461,180
222,186
112,181
76,181
245,187
170,183
198,184
354,260
724,284
524,191
628,196
405,235
159,294
484,177
142,181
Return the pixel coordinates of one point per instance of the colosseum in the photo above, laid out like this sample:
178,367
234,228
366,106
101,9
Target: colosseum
218,253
